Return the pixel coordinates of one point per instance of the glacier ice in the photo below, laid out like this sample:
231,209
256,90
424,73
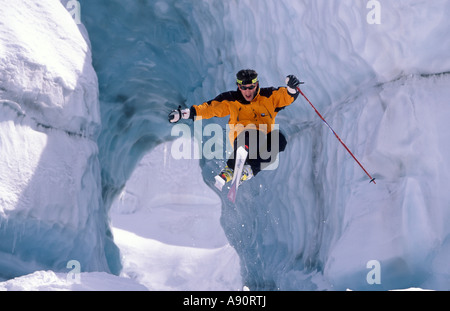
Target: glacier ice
315,222
51,209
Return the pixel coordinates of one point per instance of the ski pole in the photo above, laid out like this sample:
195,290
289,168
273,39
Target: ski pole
337,136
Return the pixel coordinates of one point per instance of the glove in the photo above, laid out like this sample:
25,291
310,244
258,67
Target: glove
292,84
178,114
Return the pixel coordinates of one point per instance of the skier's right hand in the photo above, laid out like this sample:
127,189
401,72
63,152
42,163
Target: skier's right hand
178,114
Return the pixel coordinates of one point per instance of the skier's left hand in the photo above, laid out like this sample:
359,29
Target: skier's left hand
292,84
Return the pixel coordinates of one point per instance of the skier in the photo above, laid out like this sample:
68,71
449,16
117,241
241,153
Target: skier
252,110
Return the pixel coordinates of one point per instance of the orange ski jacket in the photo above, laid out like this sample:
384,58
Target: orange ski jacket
257,114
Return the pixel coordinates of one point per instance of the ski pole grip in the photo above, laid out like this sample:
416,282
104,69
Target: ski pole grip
172,116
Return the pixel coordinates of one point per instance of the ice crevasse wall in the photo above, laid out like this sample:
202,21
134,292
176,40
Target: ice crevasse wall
51,209
315,222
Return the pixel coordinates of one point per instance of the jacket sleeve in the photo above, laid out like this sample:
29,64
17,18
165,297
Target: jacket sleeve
218,107
284,98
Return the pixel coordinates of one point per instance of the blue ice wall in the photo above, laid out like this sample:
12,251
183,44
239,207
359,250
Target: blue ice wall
301,226
150,57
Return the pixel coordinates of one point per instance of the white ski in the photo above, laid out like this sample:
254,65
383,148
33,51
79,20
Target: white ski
241,157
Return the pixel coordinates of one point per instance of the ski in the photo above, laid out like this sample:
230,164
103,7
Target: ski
241,157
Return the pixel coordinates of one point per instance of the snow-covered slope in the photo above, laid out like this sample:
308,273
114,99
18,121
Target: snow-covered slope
168,228
86,281
315,222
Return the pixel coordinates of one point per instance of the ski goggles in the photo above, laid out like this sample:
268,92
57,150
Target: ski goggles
251,87
247,81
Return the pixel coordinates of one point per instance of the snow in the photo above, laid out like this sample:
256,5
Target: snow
51,210
87,174
165,244
170,235
51,281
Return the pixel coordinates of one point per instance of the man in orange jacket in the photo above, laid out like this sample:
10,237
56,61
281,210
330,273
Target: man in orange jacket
252,110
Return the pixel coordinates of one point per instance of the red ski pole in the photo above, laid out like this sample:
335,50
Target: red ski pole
337,136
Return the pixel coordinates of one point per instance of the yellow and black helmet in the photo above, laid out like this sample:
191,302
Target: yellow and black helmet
246,76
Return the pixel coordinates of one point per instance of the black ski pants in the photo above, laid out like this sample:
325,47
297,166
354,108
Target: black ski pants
262,148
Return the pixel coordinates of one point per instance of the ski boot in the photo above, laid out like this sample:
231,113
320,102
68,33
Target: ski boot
226,175
247,173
